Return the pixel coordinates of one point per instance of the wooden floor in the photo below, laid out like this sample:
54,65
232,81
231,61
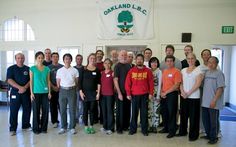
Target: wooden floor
52,139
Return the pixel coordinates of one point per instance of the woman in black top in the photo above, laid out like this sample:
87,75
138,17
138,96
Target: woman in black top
89,86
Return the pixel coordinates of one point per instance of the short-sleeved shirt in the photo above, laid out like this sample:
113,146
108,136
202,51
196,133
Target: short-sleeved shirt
53,72
107,85
67,76
47,63
170,77
40,83
120,71
189,80
89,81
213,80
19,74
177,64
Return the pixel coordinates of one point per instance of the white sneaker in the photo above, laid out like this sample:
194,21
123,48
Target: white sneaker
73,131
55,125
62,131
103,130
108,132
27,129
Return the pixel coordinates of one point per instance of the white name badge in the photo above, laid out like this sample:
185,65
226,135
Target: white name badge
94,73
45,88
108,75
170,75
13,97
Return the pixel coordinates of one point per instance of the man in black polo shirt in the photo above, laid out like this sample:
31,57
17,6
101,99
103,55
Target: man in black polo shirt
18,78
188,49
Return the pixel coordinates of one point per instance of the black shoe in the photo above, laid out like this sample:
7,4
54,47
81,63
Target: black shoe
161,124
45,132
181,134
36,132
150,130
154,130
213,141
145,134
170,136
131,133
119,132
163,131
126,129
192,139
205,137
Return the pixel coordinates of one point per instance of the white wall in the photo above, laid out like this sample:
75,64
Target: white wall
73,23
232,94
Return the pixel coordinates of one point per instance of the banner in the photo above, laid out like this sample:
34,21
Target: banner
125,19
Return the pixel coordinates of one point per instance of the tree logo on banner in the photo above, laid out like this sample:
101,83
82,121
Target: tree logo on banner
125,21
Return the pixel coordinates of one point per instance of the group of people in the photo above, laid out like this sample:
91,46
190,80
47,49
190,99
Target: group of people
100,89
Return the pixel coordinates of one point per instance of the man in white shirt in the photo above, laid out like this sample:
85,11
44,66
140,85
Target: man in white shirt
67,79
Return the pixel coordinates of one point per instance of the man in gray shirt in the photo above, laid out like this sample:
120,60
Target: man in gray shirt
54,104
212,100
170,50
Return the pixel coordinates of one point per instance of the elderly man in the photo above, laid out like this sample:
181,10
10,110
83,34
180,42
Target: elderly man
122,103
18,78
212,99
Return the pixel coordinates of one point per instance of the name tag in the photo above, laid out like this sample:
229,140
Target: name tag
108,75
94,73
45,88
13,97
170,75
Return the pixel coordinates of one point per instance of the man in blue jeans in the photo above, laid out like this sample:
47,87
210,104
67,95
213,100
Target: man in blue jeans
18,78
212,100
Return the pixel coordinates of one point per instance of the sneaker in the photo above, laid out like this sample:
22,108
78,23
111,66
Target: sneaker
13,133
103,130
73,131
91,130
108,132
86,130
27,129
62,131
55,125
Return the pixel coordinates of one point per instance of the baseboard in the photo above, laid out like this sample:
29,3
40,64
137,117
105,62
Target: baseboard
232,106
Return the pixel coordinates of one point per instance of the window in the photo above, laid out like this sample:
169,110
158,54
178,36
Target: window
31,60
16,30
72,50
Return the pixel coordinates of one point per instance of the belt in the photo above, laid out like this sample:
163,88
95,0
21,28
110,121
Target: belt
67,88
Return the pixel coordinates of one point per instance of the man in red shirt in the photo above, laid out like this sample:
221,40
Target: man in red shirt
139,87
171,79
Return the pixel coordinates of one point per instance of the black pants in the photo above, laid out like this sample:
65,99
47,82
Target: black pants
169,111
107,103
40,101
54,106
190,108
122,113
89,107
16,100
139,102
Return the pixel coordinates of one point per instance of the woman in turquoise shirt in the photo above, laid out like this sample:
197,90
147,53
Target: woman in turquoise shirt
40,93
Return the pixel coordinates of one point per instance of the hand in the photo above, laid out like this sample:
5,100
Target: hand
184,95
129,98
97,96
55,88
120,96
49,96
82,96
32,97
163,95
213,104
22,90
150,97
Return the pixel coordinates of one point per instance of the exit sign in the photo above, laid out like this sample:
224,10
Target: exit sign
227,29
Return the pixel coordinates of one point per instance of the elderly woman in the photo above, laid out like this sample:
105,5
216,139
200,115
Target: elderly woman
190,98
